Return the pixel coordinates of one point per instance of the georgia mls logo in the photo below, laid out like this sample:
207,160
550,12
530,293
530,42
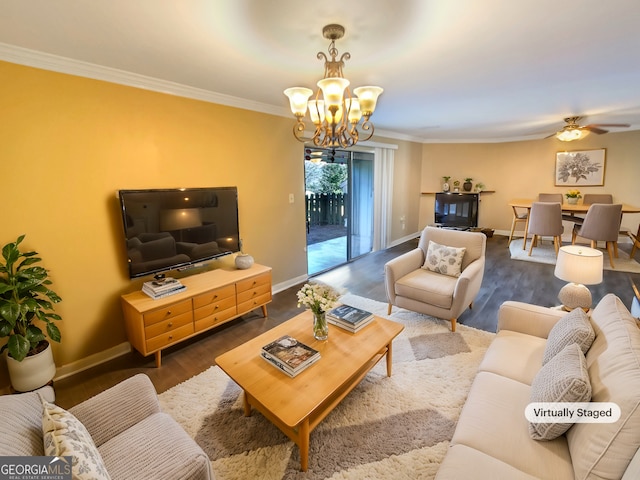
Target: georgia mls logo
35,468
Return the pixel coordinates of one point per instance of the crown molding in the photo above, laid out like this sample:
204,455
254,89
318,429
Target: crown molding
55,63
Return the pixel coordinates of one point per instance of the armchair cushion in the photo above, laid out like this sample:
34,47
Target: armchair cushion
443,259
64,435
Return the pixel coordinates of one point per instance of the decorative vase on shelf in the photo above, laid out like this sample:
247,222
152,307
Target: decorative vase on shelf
320,327
572,200
243,261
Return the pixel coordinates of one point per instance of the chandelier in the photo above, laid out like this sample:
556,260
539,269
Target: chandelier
334,111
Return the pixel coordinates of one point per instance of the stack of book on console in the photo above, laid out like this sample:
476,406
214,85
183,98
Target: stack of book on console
289,355
163,287
350,318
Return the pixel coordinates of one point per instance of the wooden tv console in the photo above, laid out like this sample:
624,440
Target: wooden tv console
211,299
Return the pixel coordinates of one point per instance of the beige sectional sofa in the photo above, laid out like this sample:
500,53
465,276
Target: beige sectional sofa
124,423
492,438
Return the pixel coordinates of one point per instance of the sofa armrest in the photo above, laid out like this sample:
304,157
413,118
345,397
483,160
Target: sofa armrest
399,267
117,409
526,318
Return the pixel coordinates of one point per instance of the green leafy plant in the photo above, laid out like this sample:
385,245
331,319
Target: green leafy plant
24,299
446,179
573,194
468,179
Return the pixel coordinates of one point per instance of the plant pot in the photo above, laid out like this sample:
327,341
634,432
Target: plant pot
33,372
467,186
572,201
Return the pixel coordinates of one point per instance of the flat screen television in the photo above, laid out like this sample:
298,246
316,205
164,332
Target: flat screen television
457,210
173,229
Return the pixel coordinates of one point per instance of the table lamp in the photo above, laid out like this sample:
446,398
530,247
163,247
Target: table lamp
580,266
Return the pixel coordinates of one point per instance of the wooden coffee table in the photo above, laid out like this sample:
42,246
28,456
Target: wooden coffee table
297,405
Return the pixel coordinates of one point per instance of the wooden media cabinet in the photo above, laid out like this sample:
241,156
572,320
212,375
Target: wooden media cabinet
211,299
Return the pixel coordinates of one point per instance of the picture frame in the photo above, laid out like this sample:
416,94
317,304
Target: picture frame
580,167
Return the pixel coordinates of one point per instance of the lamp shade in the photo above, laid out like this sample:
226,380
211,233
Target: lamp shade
571,134
333,90
368,97
579,264
298,97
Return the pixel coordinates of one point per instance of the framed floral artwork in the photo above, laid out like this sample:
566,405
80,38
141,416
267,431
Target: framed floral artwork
581,167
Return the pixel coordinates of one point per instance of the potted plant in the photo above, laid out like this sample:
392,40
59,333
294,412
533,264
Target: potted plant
573,196
467,185
456,186
25,302
479,187
445,183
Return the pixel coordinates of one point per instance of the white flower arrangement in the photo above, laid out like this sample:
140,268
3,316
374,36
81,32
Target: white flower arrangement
317,297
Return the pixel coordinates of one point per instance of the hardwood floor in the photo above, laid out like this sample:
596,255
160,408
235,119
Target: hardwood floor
504,279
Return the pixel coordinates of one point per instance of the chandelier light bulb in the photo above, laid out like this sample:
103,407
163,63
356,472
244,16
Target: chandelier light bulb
298,97
368,97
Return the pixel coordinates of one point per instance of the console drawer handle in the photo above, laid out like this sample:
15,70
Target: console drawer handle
170,324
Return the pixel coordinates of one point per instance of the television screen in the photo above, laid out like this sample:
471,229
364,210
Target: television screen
457,210
167,229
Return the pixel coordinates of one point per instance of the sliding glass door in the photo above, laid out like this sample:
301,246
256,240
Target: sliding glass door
339,207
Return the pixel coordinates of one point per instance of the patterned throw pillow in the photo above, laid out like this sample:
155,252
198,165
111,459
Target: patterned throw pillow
563,379
443,259
64,435
574,327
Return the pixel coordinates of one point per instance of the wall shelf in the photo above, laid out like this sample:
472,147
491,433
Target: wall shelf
461,193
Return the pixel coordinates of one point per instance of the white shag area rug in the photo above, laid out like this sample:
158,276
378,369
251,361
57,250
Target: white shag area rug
545,253
396,427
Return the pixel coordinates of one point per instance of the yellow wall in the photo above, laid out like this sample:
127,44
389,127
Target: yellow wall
69,143
524,169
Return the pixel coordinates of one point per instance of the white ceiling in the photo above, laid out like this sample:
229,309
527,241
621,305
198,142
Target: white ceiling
452,70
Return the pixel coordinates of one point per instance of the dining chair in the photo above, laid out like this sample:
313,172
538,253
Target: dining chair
589,199
636,242
550,197
519,216
545,220
602,223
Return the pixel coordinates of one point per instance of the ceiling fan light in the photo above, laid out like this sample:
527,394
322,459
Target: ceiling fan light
298,97
368,97
571,134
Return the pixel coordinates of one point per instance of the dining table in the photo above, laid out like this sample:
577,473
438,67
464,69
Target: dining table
569,208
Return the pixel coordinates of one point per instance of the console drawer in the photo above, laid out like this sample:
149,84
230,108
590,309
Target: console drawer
217,317
214,296
228,303
166,326
169,338
161,314
254,292
253,303
249,283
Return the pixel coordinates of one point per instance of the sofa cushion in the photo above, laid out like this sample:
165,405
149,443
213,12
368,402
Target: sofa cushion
492,421
167,451
427,287
603,450
443,259
574,327
514,355
64,435
563,379
462,462
21,425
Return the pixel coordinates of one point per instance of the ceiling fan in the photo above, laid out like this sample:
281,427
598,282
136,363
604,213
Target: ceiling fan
573,131
317,155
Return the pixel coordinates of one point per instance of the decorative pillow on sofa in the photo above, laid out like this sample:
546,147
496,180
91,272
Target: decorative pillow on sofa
443,259
64,435
563,379
574,327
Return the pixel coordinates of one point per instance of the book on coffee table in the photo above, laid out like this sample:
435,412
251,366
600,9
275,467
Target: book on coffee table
289,355
350,318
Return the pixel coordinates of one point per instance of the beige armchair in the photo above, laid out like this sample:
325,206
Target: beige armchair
411,285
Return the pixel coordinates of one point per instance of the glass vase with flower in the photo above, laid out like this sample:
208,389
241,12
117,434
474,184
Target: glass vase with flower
319,299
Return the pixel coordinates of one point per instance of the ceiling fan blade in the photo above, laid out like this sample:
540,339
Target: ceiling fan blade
594,129
621,125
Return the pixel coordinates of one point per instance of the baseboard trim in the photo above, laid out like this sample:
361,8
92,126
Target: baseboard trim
92,361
